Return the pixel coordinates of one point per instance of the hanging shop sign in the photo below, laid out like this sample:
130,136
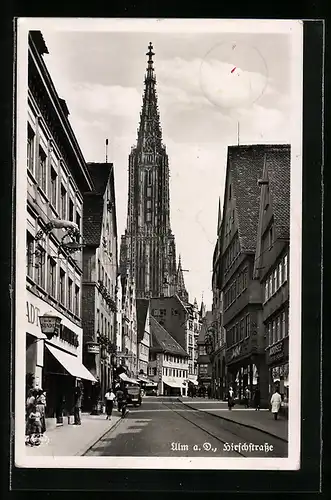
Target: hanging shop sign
93,348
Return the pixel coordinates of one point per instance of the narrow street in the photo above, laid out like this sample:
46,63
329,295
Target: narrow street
166,427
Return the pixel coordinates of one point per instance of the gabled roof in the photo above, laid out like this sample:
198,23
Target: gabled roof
245,165
278,172
142,311
100,173
92,218
94,202
161,340
206,323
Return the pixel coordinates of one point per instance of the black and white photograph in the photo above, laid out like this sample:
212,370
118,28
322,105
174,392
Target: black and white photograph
158,243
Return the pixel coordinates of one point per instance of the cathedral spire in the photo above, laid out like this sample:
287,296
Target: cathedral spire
149,131
180,284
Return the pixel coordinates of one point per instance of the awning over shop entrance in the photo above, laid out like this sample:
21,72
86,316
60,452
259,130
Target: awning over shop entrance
71,364
147,381
173,383
125,378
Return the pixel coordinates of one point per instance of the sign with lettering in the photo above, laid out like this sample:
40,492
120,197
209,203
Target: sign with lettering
32,314
68,331
93,348
236,352
276,351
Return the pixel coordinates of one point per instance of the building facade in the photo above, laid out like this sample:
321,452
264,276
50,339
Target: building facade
143,335
168,362
57,177
217,356
100,279
128,358
272,266
242,301
204,369
183,322
148,247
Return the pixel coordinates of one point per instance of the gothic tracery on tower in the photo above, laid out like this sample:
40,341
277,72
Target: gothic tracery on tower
148,248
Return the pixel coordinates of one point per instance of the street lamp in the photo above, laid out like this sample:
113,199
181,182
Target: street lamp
50,324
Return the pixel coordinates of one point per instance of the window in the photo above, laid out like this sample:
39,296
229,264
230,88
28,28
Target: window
51,277
266,290
71,210
101,323
274,278
271,290
284,325
40,266
98,323
279,333
62,285
242,329
77,300
247,326
280,271
269,333
285,268
273,331
148,217
149,191
63,207
270,237
78,221
30,149
29,254
42,169
149,204
53,188
149,177
245,276
70,286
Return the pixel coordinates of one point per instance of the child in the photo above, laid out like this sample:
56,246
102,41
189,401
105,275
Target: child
34,426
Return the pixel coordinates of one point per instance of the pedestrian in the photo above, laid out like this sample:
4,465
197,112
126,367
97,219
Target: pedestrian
230,398
78,396
41,407
109,397
257,398
209,392
247,397
34,426
275,401
121,401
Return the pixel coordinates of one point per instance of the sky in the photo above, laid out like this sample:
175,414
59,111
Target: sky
207,83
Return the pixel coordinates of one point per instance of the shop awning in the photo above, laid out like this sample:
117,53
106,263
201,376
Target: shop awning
194,382
125,378
147,381
71,363
173,383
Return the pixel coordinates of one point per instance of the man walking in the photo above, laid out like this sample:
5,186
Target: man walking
275,401
78,395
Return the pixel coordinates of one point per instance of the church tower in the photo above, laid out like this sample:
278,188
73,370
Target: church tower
148,248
